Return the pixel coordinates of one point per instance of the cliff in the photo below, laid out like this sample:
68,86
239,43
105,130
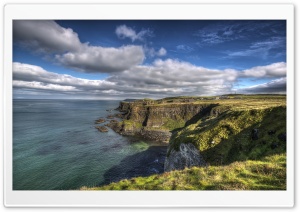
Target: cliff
155,121
208,131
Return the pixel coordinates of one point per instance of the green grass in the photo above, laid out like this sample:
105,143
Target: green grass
170,124
266,174
227,138
128,124
223,136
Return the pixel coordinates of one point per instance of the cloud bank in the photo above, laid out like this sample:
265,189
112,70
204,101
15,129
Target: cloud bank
161,79
92,59
275,86
128,75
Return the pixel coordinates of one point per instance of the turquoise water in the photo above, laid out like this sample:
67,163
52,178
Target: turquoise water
56,147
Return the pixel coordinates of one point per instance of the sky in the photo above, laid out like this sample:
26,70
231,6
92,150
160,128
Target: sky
120,59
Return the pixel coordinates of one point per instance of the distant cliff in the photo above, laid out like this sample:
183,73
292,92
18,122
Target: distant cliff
155,121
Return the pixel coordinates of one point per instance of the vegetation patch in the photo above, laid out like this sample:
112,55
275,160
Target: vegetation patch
227,138
266,174
171,124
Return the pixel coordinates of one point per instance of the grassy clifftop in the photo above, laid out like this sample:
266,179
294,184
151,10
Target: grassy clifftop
241,138
266,174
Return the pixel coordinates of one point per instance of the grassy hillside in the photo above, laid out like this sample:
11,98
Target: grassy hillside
242,138
266,174
228,137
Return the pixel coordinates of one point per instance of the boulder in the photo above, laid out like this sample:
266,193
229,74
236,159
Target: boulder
99,121
187,156
113,121
101,129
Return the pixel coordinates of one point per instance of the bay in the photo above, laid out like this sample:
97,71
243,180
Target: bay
56,147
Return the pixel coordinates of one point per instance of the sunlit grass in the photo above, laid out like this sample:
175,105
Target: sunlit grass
267,174
223,136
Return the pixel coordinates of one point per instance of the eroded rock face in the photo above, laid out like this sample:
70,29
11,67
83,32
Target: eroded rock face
156,116
187,156
156,135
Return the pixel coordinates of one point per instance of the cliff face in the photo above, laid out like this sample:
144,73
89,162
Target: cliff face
212,132
162,116
156,121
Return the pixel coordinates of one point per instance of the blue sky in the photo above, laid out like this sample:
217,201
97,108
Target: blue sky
114,59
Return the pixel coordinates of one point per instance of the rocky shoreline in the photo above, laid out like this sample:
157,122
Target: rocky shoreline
156,123
203,132
133,130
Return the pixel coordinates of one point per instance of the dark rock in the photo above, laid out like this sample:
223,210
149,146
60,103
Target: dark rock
272,132
119,115
101,128
274,145
115,126
187,156
254,134
110,117
99,121
282,137
113,121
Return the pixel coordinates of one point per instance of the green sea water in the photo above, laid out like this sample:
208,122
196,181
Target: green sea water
56,147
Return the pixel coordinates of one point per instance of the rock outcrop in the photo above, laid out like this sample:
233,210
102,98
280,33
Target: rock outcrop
101,129
187,156
155,121
156,116
156,135
99,121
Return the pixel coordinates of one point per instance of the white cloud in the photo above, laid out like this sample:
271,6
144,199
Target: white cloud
48,37
222,32
105,60
45,36
173,77
162,52
152,53
39,85
275,86
124,31
260,49
184,48
31,73
160,79
272,70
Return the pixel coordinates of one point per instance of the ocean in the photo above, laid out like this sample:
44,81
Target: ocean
56,147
